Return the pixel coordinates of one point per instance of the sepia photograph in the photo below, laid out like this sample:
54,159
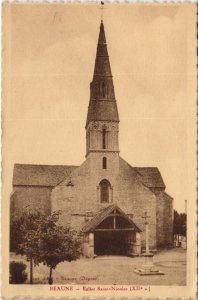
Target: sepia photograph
99,157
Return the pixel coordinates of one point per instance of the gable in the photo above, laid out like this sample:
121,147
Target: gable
40,175
103,214
149,176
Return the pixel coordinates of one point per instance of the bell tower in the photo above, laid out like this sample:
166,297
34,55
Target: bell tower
102,124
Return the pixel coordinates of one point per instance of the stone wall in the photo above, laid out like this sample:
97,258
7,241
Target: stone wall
164,218
135,198
79,194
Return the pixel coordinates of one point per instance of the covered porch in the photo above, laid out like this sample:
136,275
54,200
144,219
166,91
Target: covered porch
111,232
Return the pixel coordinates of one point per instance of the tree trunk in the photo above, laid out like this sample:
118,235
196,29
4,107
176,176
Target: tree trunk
50,281
31,270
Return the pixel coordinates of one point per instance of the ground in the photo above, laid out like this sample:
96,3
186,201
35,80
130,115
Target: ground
115,270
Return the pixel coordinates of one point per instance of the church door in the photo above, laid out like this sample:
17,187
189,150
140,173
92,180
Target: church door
113,235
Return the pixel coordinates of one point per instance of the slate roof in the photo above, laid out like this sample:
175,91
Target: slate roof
151,177
51,175
167,195
102,215
40,175
102,110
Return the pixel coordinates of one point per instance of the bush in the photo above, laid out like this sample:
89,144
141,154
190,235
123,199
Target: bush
17,272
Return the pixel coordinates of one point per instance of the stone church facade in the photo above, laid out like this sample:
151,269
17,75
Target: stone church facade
104,198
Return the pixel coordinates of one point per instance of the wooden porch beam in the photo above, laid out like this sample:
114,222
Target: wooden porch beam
114,219
116,229
117,215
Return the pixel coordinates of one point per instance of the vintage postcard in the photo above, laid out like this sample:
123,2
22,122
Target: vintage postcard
99,150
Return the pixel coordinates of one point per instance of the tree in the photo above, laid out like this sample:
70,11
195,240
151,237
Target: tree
183,223
15,234
57,244
42,240
179,223
25,234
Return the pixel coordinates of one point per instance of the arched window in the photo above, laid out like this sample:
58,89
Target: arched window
103,89
104,191
104,162
104,139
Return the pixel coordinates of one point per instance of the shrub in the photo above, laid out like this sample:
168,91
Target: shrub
17,272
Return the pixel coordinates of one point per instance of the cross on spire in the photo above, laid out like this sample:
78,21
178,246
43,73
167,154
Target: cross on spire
101,8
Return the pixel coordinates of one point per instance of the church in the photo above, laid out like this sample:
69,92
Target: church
105,198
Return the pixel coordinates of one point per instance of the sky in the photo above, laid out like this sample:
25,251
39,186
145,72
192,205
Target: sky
49,54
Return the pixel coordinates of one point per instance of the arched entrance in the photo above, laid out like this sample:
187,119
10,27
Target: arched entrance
113,235
112,232
110,243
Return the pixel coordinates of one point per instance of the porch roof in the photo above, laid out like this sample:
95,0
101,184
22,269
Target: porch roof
103,214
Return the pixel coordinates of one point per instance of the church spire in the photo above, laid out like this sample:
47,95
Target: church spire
102,119
102,64
102,38
102,105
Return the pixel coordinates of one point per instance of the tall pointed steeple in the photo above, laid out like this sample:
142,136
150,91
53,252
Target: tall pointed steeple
102,118
102,65
102,105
